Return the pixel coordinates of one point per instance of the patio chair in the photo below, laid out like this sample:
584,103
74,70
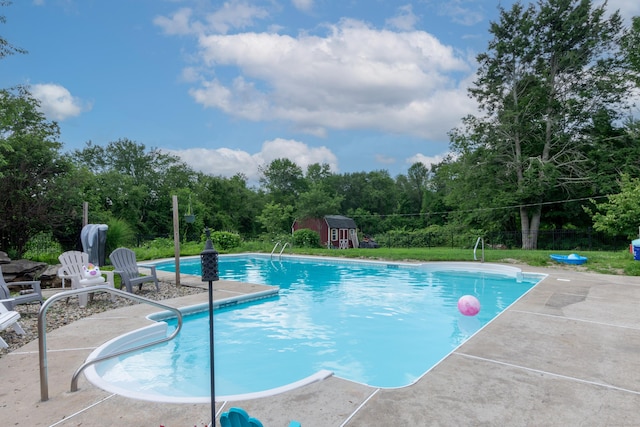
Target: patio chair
29,294
238,417
73,268
124,261
8,318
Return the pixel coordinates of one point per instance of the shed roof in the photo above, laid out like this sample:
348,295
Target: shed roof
339,221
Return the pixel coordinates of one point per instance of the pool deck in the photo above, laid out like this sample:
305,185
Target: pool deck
566,354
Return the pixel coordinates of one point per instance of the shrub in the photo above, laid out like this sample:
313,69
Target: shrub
43,248
119,234
306,238
225,240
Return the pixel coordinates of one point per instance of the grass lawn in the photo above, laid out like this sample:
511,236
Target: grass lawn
619,262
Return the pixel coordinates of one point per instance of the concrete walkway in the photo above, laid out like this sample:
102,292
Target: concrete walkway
566,354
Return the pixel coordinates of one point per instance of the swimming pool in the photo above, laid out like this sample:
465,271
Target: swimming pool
377,323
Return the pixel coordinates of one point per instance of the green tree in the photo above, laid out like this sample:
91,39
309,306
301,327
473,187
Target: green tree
276,218
227,204
549,67
318,173
36,193
319,198
283,181
630,43
620,215
373,191
317,202
413,191
6,49
133,184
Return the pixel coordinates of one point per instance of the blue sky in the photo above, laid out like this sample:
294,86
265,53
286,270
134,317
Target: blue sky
229,86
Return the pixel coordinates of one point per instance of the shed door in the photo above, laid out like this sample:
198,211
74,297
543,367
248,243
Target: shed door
343,242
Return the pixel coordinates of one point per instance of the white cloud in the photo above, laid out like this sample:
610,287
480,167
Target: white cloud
179,23
463,12
234,14
354,77
227,162
425,160
385,160
298,152
405,20
627,8
303,5
56,102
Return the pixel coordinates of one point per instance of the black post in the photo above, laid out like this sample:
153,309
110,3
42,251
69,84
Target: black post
209,266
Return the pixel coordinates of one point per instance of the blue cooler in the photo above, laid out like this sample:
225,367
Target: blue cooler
635,244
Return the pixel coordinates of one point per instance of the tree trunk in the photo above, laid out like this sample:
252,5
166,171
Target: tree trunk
530,224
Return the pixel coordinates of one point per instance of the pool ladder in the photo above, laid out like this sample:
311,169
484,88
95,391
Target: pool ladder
42,333
475,258
281,250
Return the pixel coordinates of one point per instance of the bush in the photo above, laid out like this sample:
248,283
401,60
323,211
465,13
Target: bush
306,238
119,234
43,248
225,240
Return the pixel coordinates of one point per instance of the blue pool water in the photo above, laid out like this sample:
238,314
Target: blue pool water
380,324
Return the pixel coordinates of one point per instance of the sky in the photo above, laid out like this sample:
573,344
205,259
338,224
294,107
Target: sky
361,85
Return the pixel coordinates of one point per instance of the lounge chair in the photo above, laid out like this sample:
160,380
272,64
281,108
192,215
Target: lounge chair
124,261
30,293
8,318
238,417
73,268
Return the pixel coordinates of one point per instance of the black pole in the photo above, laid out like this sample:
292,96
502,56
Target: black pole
209,265
213,382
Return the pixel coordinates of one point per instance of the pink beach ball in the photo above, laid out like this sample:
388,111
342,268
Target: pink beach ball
469,305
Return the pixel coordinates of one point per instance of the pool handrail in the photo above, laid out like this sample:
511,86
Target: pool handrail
480,239
274,248
42,333
282,250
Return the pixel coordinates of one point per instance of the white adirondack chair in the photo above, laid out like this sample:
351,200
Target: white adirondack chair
73,268
8,319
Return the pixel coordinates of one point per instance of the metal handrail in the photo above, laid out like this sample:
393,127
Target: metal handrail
274,248
42,333
480,239
282,250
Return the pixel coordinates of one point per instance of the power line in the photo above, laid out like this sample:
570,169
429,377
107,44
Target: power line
486,209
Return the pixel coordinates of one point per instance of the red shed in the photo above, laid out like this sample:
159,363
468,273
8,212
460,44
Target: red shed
336,231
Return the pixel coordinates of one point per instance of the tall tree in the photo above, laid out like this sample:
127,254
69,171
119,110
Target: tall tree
549,68
319,197
6,49
34,194
227,204
630,48
283,180
413,191
134,183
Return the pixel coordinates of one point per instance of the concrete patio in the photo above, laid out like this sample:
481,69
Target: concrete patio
566,354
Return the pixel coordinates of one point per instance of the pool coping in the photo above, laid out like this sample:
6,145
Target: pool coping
564,354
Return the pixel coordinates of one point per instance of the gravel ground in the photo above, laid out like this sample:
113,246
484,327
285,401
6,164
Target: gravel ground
61,313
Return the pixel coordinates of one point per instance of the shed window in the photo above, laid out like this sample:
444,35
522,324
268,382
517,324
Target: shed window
334,234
